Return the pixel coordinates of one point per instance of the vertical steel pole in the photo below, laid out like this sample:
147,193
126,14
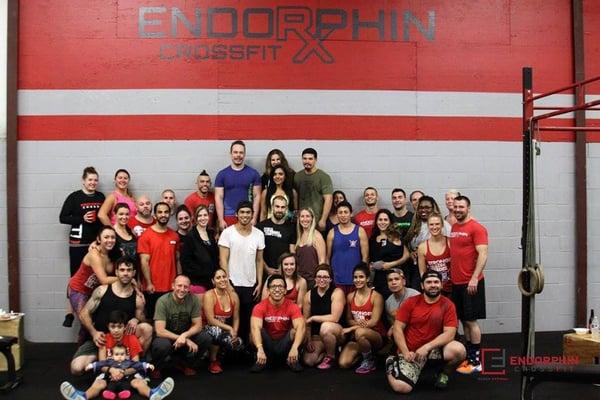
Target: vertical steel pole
525,229
580,170
12,184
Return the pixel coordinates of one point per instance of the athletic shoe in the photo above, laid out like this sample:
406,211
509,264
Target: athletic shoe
183,368
70,393
441,381
162,390
392,366
296,367
256,367
124,394
389,365
68,322
366,366
467,368
109,394
215,367
326,363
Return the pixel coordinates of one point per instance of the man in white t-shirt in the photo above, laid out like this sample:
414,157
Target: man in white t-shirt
241,254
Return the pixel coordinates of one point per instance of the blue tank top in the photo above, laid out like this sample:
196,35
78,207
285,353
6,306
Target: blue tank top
345,255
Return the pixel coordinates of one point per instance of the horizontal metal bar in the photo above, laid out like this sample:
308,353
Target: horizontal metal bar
539,96
566,110
568,128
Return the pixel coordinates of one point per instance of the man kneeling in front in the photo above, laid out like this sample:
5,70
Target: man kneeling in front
277,328
424,330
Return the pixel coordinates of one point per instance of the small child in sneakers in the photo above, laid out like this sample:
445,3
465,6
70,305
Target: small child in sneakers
119,388
123,369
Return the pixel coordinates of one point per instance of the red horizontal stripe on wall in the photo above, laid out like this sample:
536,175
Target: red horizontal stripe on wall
168,127
475,46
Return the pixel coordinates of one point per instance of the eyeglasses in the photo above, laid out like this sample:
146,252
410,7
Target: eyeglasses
277,287
324,278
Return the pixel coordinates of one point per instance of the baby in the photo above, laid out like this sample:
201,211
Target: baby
121,388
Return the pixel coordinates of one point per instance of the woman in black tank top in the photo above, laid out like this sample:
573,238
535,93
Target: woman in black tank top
323,307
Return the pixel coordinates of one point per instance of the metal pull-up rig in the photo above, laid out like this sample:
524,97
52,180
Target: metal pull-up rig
531,277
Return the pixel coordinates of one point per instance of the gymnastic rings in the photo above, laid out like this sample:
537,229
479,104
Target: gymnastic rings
536,280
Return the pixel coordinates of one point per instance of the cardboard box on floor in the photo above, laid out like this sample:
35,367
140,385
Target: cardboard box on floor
583,346
13,327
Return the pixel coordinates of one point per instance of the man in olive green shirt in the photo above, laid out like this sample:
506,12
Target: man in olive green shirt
314,188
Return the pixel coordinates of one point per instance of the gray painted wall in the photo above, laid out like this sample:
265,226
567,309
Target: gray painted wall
488,172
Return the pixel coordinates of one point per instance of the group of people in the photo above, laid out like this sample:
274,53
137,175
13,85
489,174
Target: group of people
277,266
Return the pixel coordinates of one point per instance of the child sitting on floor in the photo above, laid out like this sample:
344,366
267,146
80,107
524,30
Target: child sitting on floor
118,371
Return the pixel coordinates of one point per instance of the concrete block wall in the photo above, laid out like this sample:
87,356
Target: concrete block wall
593,182
488,172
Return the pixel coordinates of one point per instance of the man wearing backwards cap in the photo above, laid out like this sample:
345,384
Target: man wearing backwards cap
424,330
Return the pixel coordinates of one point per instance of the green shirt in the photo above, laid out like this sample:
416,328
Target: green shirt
178,317
311,189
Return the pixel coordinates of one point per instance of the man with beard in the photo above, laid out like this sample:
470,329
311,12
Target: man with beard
143,219
280,235
234,184
202,197
424,330
168,196
468,252
402,218
314,188
366,217
241,254
119,295
278,328
159,256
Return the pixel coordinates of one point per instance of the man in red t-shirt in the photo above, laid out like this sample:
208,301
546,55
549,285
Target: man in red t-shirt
143,219
468,252
366,217
277,328
424,330
202,197
158,248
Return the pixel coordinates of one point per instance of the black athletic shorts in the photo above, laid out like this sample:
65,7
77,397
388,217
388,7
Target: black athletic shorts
469,307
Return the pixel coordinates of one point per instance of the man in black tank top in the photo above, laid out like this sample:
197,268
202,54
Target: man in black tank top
120,295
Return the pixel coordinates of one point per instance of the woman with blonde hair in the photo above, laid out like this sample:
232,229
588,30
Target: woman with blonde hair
310,246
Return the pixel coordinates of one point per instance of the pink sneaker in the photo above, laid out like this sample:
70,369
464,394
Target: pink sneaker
326,363
124,394
366,366
107,394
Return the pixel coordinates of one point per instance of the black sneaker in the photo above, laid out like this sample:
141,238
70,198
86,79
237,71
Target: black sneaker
256,368
296,367
68,322
441,381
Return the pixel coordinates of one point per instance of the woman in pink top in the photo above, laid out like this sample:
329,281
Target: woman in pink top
120,195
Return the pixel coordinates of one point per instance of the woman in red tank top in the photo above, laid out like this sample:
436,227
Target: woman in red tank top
94,270
434,253
296,286
222,315
364,312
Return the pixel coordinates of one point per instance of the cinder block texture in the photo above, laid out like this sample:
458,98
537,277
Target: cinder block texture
488,172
